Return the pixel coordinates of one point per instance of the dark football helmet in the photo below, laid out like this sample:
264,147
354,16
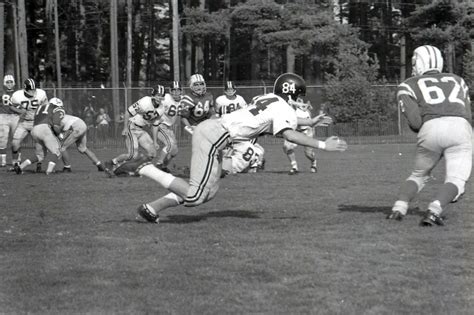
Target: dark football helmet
176,91
157,95
29,86
289,85
229,88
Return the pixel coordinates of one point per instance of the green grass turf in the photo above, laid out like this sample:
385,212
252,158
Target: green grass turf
269,243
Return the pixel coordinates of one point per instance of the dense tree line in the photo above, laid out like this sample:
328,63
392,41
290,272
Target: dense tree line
347,45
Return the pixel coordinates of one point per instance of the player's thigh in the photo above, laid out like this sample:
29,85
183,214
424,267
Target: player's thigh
146,142
21,131
459,160
4,131
425,161
43,134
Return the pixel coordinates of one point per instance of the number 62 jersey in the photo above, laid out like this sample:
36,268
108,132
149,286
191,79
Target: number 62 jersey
432,96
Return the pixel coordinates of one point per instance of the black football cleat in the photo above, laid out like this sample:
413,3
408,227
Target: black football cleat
395,215
431,219
38,167
146,214
100,167
17,169
67,170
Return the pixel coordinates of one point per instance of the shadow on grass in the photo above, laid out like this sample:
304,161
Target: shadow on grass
181,219
375,209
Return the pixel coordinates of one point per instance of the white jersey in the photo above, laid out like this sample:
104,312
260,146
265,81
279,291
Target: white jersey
170,110
305,114
142,113
267,113
225,105
68,121
29,103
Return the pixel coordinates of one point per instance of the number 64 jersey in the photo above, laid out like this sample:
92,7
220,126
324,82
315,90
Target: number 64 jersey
431,96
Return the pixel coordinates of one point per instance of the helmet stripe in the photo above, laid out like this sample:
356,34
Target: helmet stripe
429,55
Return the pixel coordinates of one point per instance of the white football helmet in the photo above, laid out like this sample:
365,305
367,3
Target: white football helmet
176,91
9,82
426,58
197,84
56,102
229,89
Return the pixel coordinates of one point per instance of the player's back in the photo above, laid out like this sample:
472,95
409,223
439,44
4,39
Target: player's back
438,95
5,106
45,114
171,110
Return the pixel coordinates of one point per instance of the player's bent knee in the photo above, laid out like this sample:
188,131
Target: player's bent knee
82,149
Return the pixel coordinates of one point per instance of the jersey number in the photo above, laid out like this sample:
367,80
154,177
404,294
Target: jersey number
44,111
33,104
200,109
433,94
261,105
173,110
6,99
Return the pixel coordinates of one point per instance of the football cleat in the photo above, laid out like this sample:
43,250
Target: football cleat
109,164
431,219
100,167
67,170
131,168
146,214
162,167
314,169
17,169
293,171
395,215
38,167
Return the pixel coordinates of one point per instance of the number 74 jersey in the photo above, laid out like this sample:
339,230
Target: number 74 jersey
438,95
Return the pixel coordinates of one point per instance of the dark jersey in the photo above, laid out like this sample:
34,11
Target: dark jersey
48,114
198,108
437,95
5,106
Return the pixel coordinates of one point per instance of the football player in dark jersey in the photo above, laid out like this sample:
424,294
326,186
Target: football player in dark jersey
8,117
438,108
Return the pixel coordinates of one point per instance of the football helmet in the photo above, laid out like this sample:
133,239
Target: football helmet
29,86
176,91
301,104
229,89
289,86
56,102
426,58
9,82
157,95
197,84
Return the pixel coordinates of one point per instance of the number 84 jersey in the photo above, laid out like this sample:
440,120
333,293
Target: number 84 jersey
438,95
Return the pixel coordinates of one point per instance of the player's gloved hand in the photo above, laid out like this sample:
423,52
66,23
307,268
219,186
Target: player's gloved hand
321,120
189,129
335,144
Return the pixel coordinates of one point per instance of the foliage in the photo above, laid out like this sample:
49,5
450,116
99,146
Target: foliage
350,91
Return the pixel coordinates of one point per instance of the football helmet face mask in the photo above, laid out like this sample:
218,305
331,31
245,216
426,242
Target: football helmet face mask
197,84
29,86
176,91
289,86
426,58
229,89
9,82
300,104
157,95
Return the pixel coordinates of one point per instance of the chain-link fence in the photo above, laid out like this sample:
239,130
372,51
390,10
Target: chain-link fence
87,103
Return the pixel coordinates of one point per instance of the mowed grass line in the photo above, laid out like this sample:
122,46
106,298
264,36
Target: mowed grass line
268,243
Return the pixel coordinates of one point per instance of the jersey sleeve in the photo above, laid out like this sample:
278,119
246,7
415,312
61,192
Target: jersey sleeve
406,99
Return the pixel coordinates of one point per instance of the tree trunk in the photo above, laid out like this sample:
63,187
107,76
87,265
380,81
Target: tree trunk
22,40
2,39
290,59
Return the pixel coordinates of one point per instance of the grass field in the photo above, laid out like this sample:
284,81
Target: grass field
269,243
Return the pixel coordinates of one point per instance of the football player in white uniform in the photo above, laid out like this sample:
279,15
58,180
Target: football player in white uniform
268,113
229,101
164,131
8,117
72,129
26,102
437,107
139,116
303,110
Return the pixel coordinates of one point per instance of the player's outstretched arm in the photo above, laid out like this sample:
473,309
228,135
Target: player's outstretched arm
330,144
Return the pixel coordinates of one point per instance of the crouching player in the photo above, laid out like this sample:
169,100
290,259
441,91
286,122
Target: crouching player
47,116
243,157
71,130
